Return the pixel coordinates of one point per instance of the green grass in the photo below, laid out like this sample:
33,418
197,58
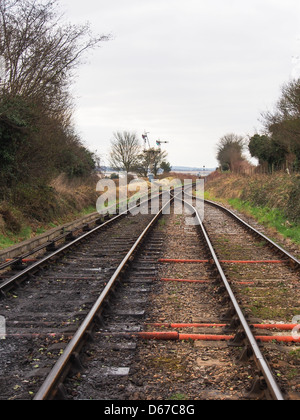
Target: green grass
88,210
179,397
11,239
295,354
268,217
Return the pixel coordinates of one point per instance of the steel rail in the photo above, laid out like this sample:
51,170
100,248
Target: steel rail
64,232
61,236
260,360
255,231
37,264
48,389
19,276
252,229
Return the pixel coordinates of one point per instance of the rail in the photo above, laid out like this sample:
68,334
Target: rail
20,276
256,232
50,386
259,358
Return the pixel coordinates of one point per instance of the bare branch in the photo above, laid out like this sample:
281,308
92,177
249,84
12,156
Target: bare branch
40,52
125,150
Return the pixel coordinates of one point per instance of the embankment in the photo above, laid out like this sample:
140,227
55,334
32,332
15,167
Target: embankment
35,210
273,200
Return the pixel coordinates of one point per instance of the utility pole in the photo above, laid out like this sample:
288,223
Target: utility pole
146,140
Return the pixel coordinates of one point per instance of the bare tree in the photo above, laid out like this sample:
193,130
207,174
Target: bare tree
125,150
39,51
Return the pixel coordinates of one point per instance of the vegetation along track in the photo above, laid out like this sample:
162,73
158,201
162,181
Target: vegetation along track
168,330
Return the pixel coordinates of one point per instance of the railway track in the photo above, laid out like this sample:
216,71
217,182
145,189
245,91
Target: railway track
171,317
18,256
45,303
265,277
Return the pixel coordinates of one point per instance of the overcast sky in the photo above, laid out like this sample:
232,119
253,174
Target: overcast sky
187,71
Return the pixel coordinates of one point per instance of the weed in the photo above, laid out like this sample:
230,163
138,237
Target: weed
179,397
295,354
293,373
167,364
162,223
272,200
269,217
